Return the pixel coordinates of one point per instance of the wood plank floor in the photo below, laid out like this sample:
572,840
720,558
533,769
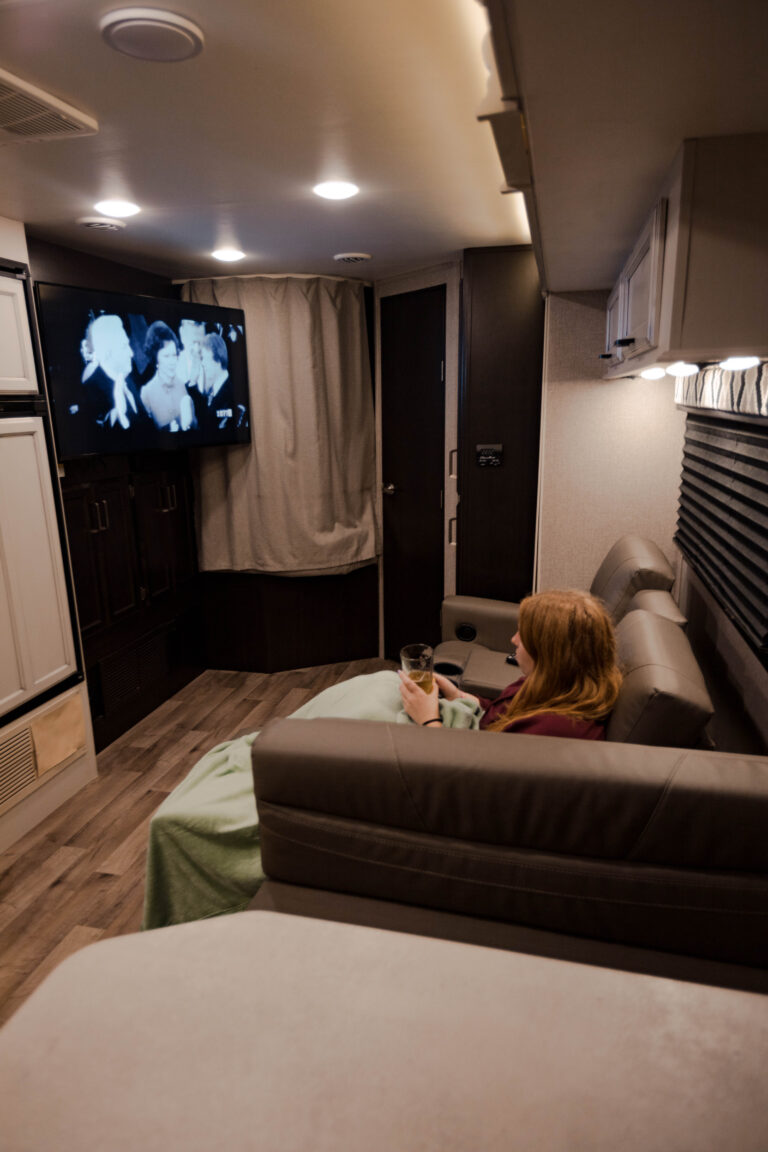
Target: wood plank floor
79,876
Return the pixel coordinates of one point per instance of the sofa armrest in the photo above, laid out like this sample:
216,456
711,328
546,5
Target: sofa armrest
493,622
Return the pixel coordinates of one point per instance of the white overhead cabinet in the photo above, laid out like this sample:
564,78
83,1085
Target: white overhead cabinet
17,365
695,286
35,629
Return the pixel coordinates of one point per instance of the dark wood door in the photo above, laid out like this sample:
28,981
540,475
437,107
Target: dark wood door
83,528
413,438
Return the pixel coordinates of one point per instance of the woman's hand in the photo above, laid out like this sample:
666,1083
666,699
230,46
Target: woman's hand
449,690
419,705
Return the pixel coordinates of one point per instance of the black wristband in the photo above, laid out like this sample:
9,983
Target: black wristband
436,720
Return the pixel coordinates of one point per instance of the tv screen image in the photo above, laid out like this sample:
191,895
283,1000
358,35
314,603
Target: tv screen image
136,373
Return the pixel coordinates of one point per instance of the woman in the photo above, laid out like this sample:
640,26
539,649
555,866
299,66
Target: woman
165,396
566,651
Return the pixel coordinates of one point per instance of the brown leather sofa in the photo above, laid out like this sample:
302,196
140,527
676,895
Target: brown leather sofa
657,847
476,632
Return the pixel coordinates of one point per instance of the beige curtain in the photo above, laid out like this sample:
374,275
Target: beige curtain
299,500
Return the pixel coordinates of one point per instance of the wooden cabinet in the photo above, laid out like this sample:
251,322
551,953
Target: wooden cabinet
702,295
36,639
103,550
632,314
131,536
17,364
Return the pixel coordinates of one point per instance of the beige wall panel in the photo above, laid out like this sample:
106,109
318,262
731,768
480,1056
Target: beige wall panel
611,451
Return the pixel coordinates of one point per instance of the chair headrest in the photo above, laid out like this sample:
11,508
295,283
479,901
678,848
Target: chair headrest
663,698
631,564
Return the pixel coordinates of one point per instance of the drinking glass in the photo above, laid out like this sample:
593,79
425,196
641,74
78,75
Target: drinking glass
416,662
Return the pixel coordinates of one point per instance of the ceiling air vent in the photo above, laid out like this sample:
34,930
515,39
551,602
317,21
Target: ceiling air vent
351,257
28,113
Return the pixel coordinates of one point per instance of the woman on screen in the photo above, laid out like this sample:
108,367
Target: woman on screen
165,396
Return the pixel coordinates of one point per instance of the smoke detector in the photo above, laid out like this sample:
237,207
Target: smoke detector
28,113
101,223
151,34
352,257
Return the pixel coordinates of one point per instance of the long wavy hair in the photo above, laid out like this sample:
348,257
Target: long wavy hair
569,636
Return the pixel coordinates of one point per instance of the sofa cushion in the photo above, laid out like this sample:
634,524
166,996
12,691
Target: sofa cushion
663,698
631,564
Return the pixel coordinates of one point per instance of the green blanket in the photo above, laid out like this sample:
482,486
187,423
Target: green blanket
203,857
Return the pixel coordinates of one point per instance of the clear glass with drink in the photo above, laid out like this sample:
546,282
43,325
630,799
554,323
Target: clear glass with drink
416,662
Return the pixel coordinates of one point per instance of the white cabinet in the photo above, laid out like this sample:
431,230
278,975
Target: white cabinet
702,293
37,648
17,365
632,315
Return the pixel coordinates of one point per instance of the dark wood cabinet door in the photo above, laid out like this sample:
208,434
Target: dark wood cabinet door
153,502
116,540
182,531
83,529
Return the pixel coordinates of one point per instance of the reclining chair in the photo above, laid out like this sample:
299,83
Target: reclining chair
476,632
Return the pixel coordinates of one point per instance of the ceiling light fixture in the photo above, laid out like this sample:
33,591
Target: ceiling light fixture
117,208
335,190
739,363
653,373
680,368
352,257
228,255
151,34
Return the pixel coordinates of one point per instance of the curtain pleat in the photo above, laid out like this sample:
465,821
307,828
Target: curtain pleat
299,500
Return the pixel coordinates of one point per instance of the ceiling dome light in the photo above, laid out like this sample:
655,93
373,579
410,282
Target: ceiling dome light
117,208
335,190
680,368
653,373
228,255
739,363
151,34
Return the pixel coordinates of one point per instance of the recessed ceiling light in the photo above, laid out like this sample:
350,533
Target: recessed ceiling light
739,363
117,208
653,373
151,34
228,254
336,190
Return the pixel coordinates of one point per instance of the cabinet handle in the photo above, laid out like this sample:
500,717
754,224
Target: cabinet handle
452,460
105,506
452,531
174,505
624,342
94,513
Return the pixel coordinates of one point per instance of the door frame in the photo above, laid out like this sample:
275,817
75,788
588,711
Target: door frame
449,275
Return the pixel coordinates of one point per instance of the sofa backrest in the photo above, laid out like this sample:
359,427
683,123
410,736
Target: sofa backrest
652,846
631,564
663,698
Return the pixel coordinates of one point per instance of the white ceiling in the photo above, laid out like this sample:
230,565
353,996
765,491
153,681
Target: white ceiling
610,90
224,149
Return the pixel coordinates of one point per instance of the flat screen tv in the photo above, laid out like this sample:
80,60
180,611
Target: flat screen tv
136,373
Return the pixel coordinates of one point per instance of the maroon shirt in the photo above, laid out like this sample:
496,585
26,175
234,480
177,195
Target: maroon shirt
544,724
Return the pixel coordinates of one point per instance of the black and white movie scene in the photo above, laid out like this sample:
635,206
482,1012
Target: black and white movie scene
133,374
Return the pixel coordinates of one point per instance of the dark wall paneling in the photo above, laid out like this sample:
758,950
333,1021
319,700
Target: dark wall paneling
500,403
54,264
260,623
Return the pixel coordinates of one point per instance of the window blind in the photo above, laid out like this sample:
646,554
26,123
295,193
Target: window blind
722,526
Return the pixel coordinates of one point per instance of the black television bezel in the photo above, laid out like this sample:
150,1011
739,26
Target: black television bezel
127,304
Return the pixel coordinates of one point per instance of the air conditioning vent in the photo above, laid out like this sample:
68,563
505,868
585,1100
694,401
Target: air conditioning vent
17,764
351,257
27,113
